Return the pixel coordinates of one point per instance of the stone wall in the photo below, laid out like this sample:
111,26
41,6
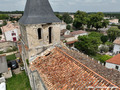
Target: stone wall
5,45
35,45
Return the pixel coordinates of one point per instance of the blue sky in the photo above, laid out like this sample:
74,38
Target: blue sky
67,5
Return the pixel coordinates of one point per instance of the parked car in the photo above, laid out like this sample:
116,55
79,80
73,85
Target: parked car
13,64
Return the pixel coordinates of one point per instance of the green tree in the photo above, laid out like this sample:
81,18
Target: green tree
59,16
88,45
80,19
113,33
103,48
95,34
67,18
110,45
3,16
104,38
68,27
97,20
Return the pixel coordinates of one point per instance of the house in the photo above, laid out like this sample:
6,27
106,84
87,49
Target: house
10,32
114,63
73,37
116,48
15,15
63,25
78,33
64,32
51,66
114,21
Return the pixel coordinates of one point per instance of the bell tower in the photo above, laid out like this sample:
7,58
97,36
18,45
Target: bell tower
39,27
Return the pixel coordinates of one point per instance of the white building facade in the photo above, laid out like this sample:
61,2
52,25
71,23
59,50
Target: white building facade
114,62
113,66
11,35
116,48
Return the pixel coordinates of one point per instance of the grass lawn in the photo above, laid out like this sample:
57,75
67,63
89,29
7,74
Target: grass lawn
18,82
11,57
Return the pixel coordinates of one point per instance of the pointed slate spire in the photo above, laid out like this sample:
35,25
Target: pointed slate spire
38,12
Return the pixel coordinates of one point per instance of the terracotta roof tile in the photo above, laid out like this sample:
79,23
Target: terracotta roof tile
78,32
115,60
71,42
68,36
60,71
117,41
110,74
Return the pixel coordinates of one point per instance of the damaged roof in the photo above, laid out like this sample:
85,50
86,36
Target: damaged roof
60,71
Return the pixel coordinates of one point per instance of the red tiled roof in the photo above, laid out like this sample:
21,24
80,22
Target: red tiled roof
67,36
115,60
117,41
71,42
60,71
78,32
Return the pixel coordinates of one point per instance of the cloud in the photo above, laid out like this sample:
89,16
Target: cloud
66,5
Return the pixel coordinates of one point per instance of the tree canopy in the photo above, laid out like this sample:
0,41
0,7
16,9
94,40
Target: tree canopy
97,21
67,18
3,16
113,33
80,19
88,45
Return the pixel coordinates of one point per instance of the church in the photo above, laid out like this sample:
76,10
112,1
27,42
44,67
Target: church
48,63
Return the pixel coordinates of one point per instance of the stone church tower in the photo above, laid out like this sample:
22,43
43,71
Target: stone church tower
40,29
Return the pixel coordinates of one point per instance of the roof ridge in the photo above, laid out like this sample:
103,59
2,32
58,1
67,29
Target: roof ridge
61,51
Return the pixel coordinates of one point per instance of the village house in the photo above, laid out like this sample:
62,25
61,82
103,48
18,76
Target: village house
116,48
10,32
51,66
114,63
114,21
72,37
15,15
63,25
64,32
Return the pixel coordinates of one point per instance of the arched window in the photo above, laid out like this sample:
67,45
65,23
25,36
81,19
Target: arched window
50,34
39,33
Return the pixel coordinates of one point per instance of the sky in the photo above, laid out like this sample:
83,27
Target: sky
67,5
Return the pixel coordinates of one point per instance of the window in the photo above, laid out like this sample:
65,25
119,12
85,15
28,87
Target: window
50,35
117,67
39,33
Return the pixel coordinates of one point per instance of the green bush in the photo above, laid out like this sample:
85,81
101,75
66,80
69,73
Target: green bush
104,58
103,48
1,52
14,48
27,61
68,27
